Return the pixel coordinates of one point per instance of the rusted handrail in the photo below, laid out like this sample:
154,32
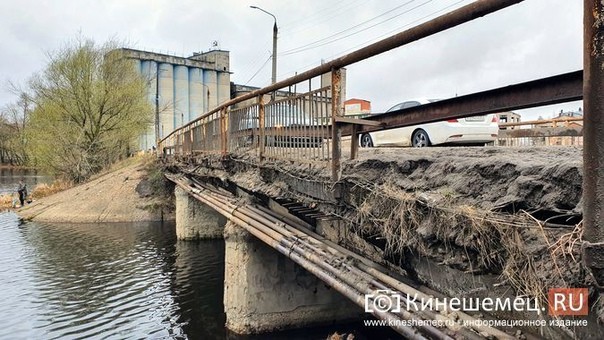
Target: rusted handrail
457,17
544,121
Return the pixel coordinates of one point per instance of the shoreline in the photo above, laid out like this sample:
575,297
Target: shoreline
120,194
17,167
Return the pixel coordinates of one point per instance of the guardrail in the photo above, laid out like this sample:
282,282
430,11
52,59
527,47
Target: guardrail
308,127
544,132
553,122
293,128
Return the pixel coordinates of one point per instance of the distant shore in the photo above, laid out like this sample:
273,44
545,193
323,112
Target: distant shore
19,167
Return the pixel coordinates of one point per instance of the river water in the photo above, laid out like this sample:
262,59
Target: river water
109,280
126,280
117,281
9,179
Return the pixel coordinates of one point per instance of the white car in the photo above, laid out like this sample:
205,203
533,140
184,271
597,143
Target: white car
470,130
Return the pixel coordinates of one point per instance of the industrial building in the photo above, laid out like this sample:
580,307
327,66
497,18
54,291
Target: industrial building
357,107
181,89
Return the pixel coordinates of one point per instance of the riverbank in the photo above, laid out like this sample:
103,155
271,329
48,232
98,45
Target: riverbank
10,166
123,194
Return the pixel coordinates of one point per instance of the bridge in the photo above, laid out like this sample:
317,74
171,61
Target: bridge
267,174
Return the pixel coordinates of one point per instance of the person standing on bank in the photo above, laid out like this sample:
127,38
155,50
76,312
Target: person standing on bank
22,190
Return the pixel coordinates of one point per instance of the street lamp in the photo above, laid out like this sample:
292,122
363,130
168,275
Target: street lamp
157,138
274,77
158,132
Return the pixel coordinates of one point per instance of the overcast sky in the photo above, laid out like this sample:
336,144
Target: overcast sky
534,39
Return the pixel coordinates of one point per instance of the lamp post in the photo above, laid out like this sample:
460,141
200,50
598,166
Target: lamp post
275,30
157,138
158,132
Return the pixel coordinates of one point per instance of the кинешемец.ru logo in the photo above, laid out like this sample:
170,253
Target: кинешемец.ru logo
567,301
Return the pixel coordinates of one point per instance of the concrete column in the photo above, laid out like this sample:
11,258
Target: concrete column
195,220
265,291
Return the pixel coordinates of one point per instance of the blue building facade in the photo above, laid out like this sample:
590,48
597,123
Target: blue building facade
181,89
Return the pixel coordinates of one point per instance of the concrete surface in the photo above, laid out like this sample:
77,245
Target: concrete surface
264,291
195,220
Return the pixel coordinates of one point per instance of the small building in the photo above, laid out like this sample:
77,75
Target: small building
508,117
571,114
357,107
569,119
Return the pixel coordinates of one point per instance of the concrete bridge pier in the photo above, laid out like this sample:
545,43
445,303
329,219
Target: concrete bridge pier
195,220
265,291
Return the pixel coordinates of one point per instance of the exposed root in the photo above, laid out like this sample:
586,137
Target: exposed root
517,247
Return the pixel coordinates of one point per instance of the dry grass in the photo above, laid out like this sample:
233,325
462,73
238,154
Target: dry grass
6,201
43,190
568,243
492,242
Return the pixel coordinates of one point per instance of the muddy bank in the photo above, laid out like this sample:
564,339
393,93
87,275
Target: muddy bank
121,195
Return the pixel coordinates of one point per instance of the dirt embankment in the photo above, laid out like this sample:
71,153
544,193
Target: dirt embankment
513,212
121,195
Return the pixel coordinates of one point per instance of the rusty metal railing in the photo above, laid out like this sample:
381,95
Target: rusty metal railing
202,135
554,122
563,131
593,152
532,141
296,128
224,129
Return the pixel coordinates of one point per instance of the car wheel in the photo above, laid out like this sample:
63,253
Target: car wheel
366,141
420,139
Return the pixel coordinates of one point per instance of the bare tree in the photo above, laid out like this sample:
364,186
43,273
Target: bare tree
13,121
90,105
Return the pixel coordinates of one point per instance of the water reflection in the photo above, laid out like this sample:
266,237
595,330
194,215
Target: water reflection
9,179
130,280
117,280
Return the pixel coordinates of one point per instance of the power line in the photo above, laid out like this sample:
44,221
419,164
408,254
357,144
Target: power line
260,69
322,15
399,29
326,40
255,58
349,28
252,64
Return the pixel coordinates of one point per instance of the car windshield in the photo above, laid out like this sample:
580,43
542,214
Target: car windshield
411,103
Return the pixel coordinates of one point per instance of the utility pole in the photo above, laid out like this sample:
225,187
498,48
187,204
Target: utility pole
157,139
275,31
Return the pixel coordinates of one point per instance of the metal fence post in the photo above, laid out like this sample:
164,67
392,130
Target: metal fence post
223,131
336,129
261,119
354,142
593,139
